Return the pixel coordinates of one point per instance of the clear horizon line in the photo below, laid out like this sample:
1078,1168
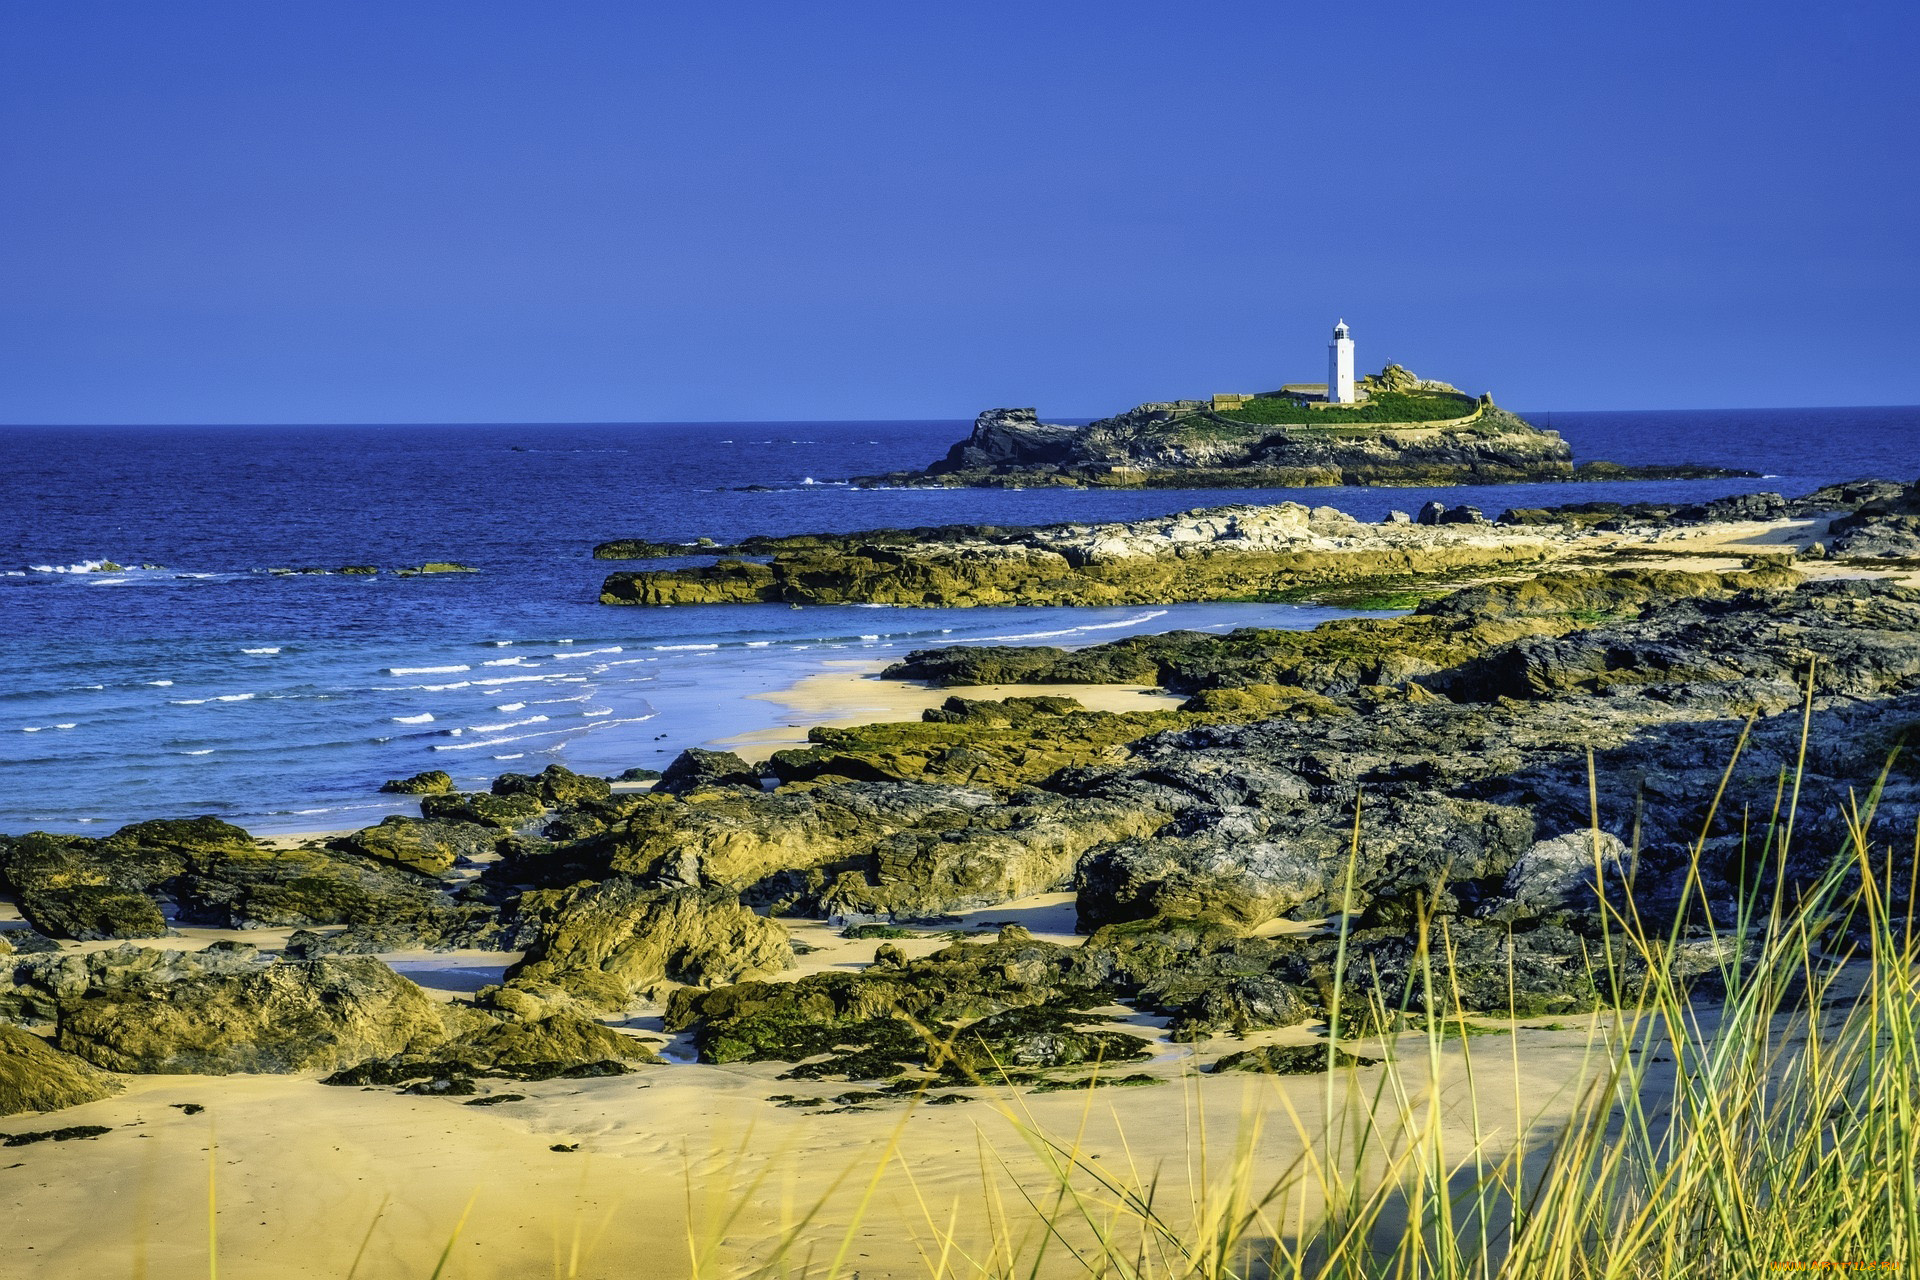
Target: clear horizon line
723,422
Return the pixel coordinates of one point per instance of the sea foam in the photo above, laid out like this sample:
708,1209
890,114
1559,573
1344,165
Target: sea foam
425,671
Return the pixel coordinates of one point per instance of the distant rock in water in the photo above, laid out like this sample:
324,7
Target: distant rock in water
1406,431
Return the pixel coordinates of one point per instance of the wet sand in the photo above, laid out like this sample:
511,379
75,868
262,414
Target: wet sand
854,694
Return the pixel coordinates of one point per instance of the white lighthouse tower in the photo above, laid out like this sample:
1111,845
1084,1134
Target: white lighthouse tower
1340,366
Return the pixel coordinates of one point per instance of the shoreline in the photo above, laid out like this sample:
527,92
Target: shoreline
856,695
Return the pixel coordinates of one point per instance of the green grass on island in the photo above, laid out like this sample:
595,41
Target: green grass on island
1382,406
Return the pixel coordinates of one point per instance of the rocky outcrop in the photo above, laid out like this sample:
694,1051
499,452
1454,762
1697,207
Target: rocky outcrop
1342,656
204,871
697,769
1888,525
433,782
603,945
223,1010
427,847
1228,553
229,1009
509,812
35,1076
555,785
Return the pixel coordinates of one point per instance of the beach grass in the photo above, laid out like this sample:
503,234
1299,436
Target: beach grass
1752,1113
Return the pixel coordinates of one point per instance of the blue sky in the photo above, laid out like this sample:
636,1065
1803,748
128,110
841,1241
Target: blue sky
585,211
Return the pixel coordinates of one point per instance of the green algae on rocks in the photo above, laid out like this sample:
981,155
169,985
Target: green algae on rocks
1226,553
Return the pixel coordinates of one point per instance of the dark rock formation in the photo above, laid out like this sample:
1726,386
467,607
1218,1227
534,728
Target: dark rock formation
35,1076
554,785
602,945
1887,525
697,769
427,847
228,1009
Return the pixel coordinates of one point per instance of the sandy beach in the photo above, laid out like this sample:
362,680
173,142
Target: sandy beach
302,1173
851,693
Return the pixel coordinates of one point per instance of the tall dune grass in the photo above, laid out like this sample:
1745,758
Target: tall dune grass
1768,1127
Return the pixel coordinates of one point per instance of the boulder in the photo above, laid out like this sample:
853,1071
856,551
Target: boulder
696,769
434,782
508,812
223,1010
1559,872
35,1076
602,945
90,913
554,785
429,848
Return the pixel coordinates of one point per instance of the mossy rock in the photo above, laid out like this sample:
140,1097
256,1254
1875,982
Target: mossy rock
429,848
220,1010
434,782
479,807
35,1076
697,769
1290,1060
554,785
601,945
89,913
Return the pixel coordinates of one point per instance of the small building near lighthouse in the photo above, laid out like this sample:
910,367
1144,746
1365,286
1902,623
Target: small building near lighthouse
1340,366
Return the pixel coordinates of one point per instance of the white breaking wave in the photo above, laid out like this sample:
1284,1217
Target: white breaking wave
667,648
425,717
32,728
441,688
605,724
491,682
512,755
66,726
498,644
758,644
425,671
185,702
207,752
597,711
869,637
274,649
234,697
510,724
511,706
84,566
586,653
161,684
504,662
495,742
1092,626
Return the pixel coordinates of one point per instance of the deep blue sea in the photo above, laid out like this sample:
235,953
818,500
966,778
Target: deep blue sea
214,686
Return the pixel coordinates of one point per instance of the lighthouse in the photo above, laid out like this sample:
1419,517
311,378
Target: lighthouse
1340,366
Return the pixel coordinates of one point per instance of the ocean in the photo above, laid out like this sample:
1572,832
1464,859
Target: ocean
212,685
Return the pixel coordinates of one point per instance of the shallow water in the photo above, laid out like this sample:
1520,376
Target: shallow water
214,686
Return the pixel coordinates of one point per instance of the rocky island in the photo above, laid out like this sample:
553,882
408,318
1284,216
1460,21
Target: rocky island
1400,430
